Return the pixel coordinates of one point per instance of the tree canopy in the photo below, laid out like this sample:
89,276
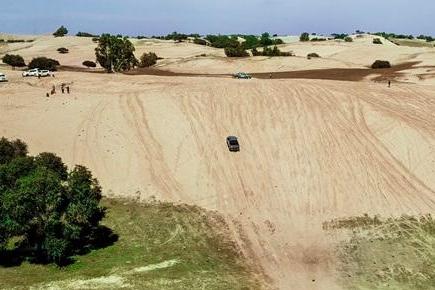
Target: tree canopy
53,213
115,53
14,60
61,31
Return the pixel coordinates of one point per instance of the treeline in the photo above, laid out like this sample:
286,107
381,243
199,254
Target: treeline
16,40
247,41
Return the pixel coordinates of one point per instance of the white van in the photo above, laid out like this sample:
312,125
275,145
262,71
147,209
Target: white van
3,77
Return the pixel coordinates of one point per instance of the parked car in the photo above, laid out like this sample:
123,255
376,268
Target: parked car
3,77
34,72
242,75
44,73
233,143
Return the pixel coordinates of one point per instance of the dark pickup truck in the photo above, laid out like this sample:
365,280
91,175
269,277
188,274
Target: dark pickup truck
233,143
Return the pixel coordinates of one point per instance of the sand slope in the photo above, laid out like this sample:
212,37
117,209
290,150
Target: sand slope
311,150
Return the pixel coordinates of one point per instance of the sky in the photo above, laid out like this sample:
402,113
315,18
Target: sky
160,17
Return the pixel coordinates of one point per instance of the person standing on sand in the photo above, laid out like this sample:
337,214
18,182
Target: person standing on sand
270,76
67,89
389,83
62,88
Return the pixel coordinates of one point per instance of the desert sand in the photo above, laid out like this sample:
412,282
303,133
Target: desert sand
311,150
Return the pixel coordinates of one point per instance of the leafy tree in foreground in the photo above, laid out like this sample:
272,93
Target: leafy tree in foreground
115,53
55,214
14,60
61,31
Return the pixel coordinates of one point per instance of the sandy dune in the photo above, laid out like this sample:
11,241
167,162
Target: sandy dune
311,150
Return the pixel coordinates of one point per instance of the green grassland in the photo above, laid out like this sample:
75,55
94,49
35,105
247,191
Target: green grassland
387,254
159,246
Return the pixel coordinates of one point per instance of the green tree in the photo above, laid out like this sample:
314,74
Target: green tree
44,63
14,60
61,31
56,214
11,149
265,39
115,53
304,37
238,51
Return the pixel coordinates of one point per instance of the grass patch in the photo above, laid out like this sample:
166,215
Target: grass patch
160,246
387,254
412,42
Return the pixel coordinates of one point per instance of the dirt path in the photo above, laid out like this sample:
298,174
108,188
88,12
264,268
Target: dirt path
341,74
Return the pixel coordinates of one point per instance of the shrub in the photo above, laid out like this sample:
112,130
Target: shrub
313,54
89,63
15,40
61,31
14,60
148,59
85,34
267,51
381,64
238,51
62,50
348,39
339,35
318,39
377,41
200,41
95,39
44,63
304,37
223,41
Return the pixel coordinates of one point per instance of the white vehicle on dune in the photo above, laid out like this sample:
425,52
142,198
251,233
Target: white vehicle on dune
34,72
44,73
3,77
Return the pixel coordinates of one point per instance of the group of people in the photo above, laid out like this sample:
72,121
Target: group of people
63,88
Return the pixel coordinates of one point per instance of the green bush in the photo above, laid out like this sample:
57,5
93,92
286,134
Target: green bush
61,31
44,63
304,37
14,60
15,40
223,41
200,41
348,39
238,51
271,52
318,39
85,34
381,64
62,50
89,63
377,41
339,35
56,214
313,54
148,59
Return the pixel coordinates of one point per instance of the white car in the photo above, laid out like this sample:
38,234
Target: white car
3,77
34,72
44,73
